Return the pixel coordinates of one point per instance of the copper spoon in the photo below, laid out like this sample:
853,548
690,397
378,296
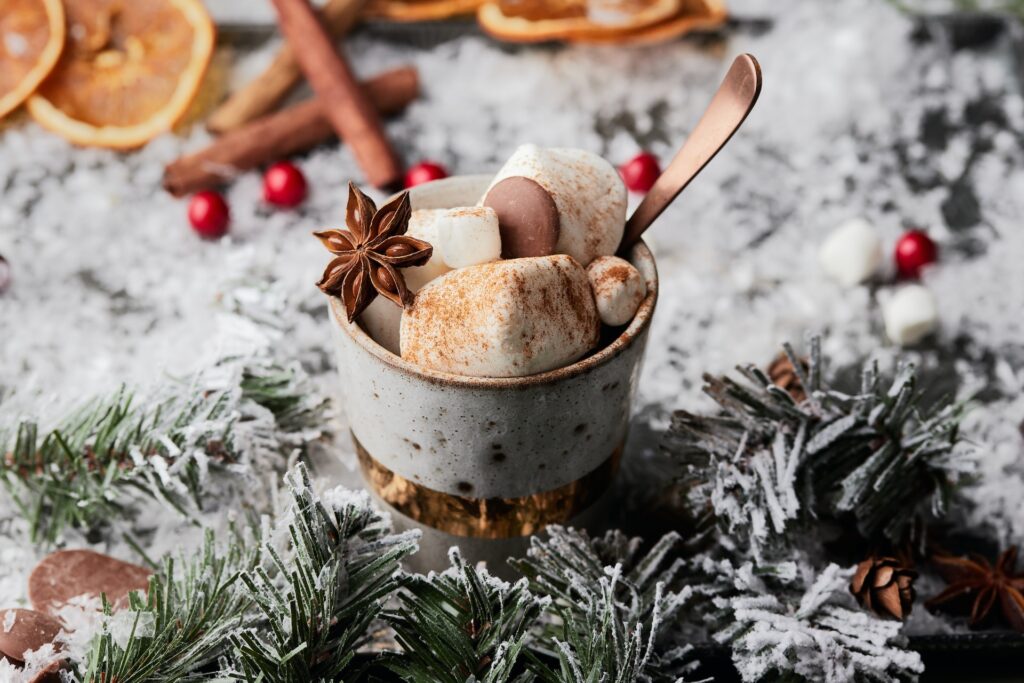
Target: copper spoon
726,113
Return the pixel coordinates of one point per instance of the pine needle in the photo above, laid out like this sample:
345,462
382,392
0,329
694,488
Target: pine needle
463,625
97,463
766,465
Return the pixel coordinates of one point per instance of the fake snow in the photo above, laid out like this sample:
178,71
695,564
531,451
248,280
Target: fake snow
866,112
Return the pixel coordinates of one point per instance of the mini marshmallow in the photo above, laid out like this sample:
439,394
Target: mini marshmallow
587,191
424,224
468,236
910,314
618,289
503,319
852,253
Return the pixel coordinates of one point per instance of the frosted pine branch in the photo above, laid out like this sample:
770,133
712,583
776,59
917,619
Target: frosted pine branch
613,611
767,464
181,626
321,592
782,623
463,625
235,419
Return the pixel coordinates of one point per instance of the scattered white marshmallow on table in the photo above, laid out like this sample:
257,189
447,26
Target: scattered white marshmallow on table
852,253
910,314
618,289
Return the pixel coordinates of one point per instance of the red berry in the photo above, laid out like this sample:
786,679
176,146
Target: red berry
424,172
284,185
640,172
208,213
914,250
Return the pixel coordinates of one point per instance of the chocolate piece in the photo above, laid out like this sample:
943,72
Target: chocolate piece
51,674
527,217
29,630
66,574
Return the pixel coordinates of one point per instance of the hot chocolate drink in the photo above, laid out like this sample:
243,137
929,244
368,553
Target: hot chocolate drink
505,290
489,373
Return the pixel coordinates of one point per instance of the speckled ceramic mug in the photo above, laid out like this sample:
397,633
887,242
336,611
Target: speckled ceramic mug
484,462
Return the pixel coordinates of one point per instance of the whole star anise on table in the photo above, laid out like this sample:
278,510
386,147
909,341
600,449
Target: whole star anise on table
368,255
978,586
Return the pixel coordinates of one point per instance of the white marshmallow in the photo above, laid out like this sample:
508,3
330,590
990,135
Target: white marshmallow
503,319
382,320
468,236
852,253
910,314
423,224
618,289
587,190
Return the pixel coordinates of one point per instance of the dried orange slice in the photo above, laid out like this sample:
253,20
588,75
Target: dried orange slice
694,15
31,39
528,21
128,73
419,10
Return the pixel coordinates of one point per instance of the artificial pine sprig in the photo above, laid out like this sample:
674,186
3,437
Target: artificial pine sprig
766,461
321,593
785,622
181,626
463,625
612,607
95,464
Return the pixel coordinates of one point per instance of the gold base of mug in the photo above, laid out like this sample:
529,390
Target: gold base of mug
487,517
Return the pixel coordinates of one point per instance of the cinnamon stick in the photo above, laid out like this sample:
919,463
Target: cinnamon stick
266,92
276,136
350,112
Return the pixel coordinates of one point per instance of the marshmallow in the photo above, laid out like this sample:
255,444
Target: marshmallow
468,236
852,253
587,191
424,224
618,289
503,319
382,320
910,314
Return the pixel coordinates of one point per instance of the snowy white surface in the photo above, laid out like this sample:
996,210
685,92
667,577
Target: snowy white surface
865,113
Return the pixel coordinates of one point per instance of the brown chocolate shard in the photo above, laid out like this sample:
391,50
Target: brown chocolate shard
66,574
29,630
527,217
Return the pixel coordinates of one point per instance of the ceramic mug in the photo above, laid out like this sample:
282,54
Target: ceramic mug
484,462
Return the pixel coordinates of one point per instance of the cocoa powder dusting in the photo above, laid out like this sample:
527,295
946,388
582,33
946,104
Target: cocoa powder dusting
506,318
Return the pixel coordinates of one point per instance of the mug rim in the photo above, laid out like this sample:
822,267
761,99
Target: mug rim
637,326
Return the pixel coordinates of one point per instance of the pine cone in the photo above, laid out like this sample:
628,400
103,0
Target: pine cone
884,586
782,375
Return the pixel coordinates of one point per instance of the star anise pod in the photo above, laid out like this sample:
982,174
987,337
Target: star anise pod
976,586
370,252
884,586
783,375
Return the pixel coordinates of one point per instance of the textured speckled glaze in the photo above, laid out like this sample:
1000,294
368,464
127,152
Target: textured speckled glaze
491,437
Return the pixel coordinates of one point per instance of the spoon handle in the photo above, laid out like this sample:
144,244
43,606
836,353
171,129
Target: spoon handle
729,107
